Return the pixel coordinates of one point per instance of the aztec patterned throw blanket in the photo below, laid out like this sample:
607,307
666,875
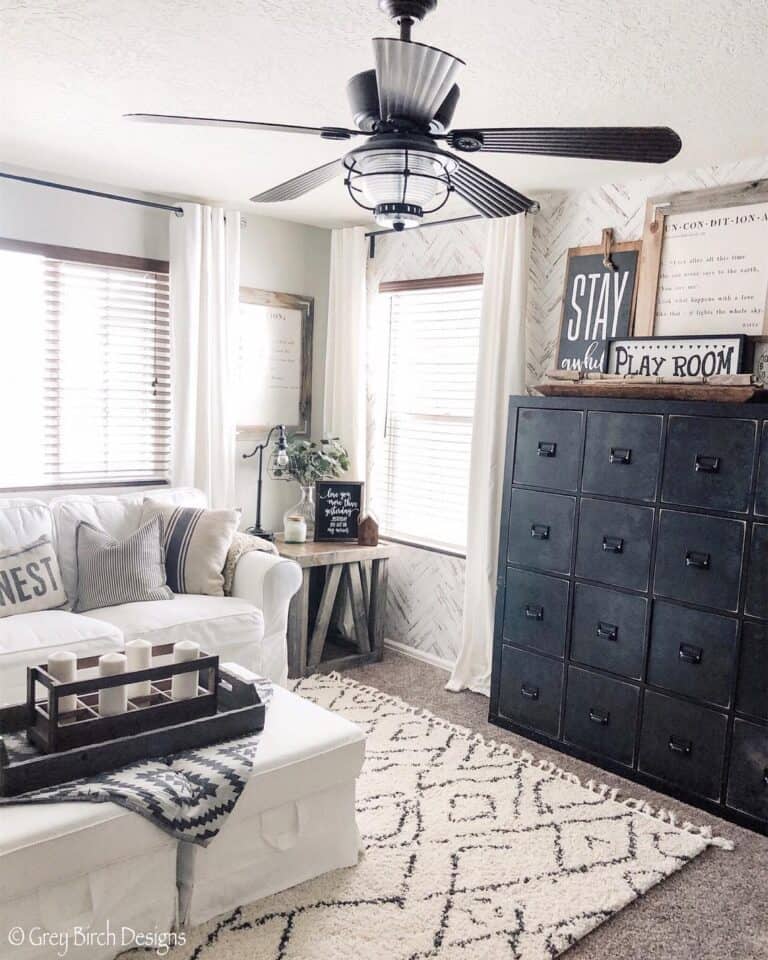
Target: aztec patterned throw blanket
189,795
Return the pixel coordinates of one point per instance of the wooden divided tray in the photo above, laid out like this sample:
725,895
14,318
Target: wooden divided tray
156,726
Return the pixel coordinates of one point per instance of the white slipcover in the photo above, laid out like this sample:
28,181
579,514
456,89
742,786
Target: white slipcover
69,865
232,628
294,821
27,638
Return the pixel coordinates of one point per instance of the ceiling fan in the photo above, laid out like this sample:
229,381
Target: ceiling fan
404,108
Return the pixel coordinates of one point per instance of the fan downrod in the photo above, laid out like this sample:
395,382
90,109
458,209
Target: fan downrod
406,12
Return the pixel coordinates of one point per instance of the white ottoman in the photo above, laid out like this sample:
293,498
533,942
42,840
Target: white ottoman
294,821
93,866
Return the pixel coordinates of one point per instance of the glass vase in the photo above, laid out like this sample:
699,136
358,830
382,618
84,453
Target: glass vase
304,508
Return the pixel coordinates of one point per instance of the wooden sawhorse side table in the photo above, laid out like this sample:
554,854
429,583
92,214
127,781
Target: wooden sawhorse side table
338,579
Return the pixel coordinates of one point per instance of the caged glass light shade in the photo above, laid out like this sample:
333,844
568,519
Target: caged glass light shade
400,186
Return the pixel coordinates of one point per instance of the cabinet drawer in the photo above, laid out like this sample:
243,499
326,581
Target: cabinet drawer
757,585
608,630
548,448
699,559
752,689
748,773
541,530
709,462
682,744
536,611
692,652
530,689
622,454
600,715
614,543
761,496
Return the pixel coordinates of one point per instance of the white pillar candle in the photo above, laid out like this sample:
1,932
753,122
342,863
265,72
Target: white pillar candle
138,653
62,666
113,700
295,529
184,685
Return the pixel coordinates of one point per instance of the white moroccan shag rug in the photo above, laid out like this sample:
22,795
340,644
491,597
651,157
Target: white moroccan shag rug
472,850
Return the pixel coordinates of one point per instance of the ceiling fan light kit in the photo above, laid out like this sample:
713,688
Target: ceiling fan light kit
405,106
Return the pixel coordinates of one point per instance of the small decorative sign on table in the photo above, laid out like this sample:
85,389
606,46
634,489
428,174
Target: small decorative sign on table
678,356
337,511
598,303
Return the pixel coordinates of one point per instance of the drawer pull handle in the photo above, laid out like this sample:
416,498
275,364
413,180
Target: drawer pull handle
531,693
613,545
599,716
700,561
539,531
706,464
680,746
534,612
689,653
620,455
607,631
546,449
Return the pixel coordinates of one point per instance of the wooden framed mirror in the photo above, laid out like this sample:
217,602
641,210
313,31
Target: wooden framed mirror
274,362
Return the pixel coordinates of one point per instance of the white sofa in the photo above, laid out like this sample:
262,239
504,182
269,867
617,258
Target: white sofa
247,628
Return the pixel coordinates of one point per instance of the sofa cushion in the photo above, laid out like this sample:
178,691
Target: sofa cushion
112,571
196,544
221,625
22,521
117,516
30,579
27,639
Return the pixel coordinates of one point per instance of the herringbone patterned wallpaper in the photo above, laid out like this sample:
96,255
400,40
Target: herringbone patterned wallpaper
426,601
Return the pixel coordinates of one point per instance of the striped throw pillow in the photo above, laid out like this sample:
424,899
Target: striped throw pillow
196,543
111,572
30,579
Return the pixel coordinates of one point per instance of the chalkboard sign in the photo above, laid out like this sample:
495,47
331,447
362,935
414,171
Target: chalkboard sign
337,509
598,305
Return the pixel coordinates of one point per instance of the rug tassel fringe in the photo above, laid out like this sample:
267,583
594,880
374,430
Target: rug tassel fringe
546,766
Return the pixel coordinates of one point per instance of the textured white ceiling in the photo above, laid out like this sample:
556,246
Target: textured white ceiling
70,68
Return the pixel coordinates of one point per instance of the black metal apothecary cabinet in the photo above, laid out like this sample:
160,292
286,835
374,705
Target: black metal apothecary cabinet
632,602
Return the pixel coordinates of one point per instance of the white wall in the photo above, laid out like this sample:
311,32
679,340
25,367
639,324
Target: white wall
276,256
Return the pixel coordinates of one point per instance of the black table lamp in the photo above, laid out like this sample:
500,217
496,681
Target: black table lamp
281,460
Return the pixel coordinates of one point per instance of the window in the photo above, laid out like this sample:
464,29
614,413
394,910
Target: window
434,332
84,368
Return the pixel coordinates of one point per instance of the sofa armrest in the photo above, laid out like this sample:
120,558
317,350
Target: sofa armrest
268,582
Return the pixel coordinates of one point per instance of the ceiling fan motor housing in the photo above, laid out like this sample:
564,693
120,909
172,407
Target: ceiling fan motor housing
399,10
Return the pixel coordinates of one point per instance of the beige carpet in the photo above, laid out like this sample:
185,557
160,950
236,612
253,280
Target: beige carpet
471,849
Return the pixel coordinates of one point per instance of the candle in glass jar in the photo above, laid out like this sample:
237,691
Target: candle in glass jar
295,529
139,655
113,700
184,685
62,666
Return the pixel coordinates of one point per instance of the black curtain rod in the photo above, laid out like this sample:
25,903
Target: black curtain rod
94,193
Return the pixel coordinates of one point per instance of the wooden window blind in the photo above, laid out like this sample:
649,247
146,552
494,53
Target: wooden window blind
84,368
423,472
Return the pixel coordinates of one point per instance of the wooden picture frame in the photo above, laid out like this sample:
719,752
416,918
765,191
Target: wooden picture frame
344,526
598,251
306,306
656,211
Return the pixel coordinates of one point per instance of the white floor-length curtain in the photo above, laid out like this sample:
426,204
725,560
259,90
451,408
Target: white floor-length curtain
501,372
345,408
204,304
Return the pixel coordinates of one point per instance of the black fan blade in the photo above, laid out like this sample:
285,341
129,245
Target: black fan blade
489,196
638,144
327,133
300,185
